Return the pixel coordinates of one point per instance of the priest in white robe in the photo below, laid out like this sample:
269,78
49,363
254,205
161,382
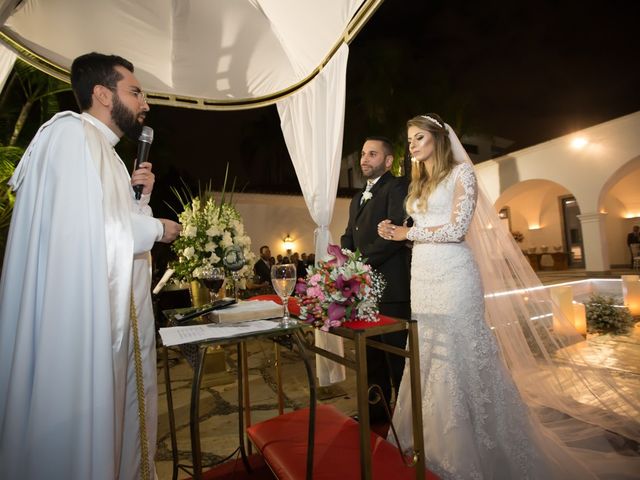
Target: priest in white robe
75,288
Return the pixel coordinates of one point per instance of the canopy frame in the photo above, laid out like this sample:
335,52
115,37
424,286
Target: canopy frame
361,17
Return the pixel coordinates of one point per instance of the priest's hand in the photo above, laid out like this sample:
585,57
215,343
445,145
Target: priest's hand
143,176
170,230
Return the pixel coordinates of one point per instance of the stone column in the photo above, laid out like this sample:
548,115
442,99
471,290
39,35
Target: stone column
595,242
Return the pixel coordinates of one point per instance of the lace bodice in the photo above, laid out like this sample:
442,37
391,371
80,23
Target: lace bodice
450,209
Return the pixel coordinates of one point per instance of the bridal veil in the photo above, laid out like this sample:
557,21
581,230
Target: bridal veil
580,402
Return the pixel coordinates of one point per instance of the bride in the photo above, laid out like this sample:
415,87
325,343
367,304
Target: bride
500,388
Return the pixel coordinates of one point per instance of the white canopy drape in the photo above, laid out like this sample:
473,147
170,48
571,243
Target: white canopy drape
312,122
190,53
7,59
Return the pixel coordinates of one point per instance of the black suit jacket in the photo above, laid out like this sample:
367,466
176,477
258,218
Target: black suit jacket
391,259
262,271
633,238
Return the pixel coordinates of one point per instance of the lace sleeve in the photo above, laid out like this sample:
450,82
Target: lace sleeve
465,196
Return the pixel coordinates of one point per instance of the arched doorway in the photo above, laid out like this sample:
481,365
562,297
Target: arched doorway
620,199
545,214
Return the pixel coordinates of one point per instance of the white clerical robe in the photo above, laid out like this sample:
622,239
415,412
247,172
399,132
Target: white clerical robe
64,308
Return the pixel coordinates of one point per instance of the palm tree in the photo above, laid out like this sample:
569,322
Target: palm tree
27,90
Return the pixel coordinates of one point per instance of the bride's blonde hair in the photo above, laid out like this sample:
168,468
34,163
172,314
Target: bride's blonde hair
422,184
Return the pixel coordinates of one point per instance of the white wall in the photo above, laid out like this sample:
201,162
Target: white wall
269,218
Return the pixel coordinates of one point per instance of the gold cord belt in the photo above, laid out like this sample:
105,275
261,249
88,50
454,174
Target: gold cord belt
142,410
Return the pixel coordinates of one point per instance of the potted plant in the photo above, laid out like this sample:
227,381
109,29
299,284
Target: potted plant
606,315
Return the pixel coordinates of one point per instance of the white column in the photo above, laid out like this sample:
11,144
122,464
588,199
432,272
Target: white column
595,242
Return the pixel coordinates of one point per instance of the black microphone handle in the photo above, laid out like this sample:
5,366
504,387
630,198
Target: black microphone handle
143,153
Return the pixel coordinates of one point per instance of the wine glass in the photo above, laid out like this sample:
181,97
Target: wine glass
213,278
283,278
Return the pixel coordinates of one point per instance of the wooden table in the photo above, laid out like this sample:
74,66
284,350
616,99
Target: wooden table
560,260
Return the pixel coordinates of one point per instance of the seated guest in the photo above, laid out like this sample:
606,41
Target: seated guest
262,267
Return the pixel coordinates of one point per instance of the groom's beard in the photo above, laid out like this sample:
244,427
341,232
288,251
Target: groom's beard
375,172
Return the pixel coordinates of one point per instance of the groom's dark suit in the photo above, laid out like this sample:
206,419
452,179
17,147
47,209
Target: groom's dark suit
392,260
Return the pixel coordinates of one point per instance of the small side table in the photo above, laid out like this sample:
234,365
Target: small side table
195,352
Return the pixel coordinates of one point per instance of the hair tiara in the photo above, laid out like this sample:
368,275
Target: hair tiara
432,120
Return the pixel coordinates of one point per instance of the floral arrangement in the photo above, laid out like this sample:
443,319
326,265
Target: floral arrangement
210,231
340,290
517,236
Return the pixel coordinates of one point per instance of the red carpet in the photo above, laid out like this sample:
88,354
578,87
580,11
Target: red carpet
234,470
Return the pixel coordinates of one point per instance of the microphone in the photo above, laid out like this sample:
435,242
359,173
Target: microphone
144,145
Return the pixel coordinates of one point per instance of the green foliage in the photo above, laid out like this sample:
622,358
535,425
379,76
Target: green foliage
603,316
9,157
30,98
382,95
399,153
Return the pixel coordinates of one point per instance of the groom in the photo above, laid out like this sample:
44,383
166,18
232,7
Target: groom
382,198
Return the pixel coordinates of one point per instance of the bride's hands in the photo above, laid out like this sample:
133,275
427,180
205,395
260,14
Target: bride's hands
389,231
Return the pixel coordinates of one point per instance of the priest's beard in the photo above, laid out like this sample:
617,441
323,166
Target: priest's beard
125,119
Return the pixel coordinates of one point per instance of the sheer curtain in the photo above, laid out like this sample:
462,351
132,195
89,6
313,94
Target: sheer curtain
312,121
7,59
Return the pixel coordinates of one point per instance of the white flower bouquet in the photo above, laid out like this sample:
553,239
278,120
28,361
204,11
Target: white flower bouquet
209,231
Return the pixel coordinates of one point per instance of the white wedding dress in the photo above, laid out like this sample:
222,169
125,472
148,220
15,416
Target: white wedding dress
475,424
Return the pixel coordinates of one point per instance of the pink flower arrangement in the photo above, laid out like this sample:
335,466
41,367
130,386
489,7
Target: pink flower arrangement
340,290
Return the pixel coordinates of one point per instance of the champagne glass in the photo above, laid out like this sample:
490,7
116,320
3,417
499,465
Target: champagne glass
213,279
283,278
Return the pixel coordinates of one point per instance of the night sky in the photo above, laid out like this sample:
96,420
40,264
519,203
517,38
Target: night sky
531,71
526,71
